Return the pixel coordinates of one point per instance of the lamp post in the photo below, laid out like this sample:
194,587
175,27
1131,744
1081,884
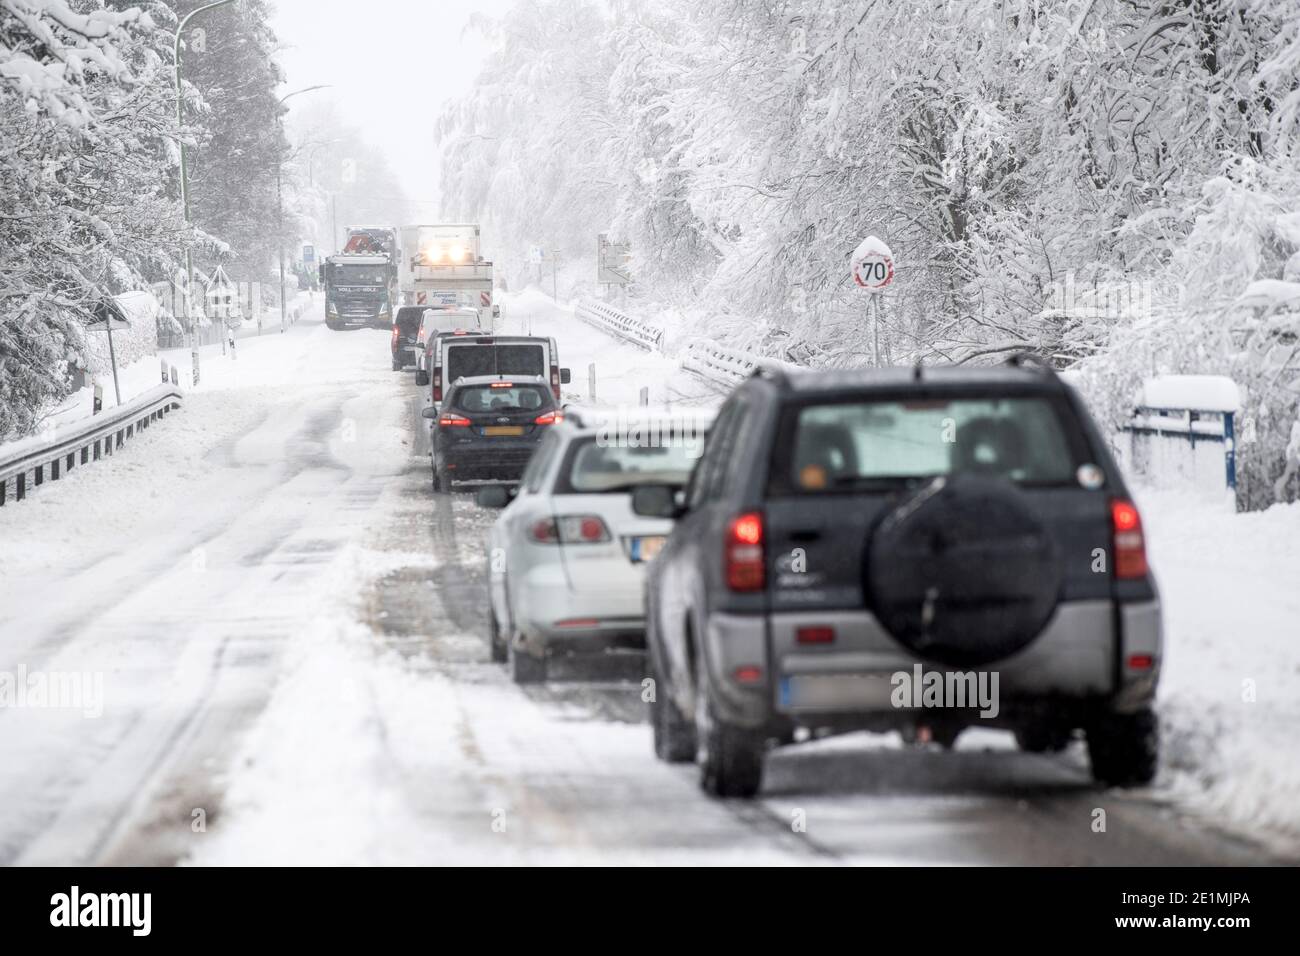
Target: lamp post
311,158
185,188
279,200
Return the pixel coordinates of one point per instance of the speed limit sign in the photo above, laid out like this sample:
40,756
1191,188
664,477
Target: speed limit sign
873,265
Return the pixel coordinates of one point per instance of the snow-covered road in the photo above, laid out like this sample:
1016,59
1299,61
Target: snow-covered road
288,625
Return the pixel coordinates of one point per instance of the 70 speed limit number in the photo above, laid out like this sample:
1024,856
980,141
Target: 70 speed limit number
873,265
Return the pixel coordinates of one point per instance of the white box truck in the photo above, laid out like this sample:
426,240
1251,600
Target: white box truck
443,267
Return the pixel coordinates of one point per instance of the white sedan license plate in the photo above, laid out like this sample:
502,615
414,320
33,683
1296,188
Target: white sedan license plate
646,547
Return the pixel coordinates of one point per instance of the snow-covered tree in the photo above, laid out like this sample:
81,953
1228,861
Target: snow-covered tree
86,202
1100,181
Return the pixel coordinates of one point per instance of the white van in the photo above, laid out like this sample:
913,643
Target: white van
433,321
461,354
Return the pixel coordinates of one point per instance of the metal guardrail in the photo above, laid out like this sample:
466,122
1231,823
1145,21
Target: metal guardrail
88,441
609,319
725,365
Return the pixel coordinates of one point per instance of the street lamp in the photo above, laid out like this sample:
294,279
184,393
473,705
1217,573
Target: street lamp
185,188
279,199
311,157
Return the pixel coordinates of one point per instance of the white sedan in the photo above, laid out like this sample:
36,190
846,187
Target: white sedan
566,558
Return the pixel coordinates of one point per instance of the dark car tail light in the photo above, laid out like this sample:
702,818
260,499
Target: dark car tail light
570,529
1130,542
745,568
549,418
453,421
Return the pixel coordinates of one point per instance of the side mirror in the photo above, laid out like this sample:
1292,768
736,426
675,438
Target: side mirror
493,496
321,271
656,501
565,376
429,412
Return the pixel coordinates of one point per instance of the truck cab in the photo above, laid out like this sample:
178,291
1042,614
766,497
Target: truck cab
360,282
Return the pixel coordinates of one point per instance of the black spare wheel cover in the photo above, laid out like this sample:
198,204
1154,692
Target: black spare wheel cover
963,572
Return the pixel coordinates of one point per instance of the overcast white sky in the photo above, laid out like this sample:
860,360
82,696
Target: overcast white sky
369,50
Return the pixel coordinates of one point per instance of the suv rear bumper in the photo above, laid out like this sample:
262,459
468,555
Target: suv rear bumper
1092,655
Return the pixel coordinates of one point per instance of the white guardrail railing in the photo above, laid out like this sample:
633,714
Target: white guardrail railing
725,365
718,363
609,319
66,447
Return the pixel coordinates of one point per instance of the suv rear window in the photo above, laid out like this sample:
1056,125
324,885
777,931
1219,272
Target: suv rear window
849,446
501,397
594,467
467,361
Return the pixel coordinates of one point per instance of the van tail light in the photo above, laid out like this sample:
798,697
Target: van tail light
1129,542
437,385
555,381
453,421
550,418
744,562
570,529
396,333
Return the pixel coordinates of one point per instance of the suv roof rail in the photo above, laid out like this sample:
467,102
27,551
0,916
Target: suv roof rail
1031,359
773,374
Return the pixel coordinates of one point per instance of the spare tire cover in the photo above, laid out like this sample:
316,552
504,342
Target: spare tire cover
963,572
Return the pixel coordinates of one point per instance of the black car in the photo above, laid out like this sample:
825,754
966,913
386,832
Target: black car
487,427
852,541
406,331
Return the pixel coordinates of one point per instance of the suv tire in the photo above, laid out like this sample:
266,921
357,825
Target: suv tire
730,758
674,735
1125,748
963,572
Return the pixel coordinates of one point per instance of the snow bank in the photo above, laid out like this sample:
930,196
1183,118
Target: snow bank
1230,692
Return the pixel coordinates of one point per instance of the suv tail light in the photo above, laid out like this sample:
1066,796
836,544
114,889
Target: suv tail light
549,418
453,421
570,529
744,553
555,381
1130,543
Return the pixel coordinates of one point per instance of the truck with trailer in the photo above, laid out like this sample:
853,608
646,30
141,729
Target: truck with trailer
443,267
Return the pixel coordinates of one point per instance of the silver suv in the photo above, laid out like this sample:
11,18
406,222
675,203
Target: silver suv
916,550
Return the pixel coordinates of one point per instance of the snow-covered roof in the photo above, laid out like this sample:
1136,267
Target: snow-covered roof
1206,393
137,306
